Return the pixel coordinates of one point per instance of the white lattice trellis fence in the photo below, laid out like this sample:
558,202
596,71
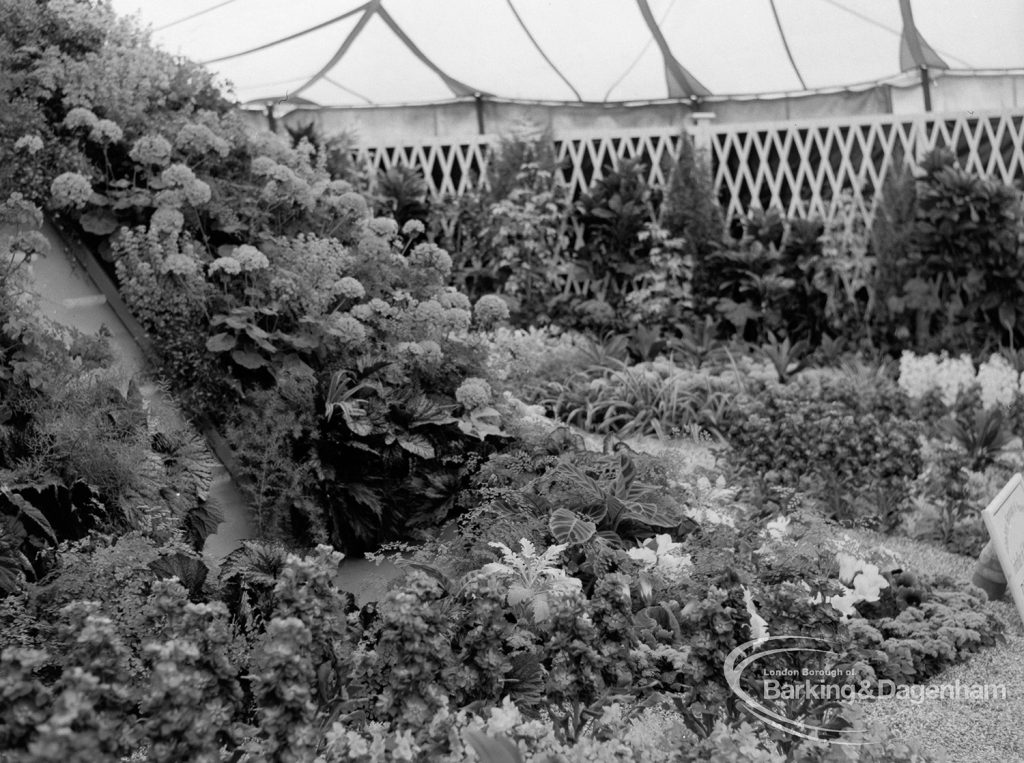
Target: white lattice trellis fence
800,167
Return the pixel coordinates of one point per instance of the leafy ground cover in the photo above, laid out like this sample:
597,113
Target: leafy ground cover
395,371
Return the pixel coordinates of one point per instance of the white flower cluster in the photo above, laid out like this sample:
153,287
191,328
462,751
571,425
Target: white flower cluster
663,557
200,139
151,149
179,264
490,309
863,582
166,220
474,393
183,185
71,189
999,381
30,143
80,117
347,328
250,258
996,378
106,131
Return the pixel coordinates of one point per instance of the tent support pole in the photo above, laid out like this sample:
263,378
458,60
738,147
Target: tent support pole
926,88
478,99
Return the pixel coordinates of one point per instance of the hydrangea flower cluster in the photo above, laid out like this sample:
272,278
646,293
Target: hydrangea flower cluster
227,265
490,309
431,256
166,220
151,149
996,378
184,186
32,144
413,228
284,184
385,227
80,117
349,288
250,258
200,139
71,189
474,393
346,328
179,264
106,131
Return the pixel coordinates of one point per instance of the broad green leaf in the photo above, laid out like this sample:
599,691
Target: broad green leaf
26,509
569,527
416,444
221,342
653,514
355,418
102,222
248,359
366,496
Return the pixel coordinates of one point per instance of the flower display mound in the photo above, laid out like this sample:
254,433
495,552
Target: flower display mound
611,648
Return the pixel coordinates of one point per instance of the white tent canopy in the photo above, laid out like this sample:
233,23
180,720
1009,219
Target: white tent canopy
590,50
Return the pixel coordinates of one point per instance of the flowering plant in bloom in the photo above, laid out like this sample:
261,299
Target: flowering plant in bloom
80,117
250,258
490,309
663,559
71,189
30,143
533,578
106,131
921,374
200,139
474,393
862,581
151,150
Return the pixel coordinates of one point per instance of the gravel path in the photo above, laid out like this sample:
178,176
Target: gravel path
961,729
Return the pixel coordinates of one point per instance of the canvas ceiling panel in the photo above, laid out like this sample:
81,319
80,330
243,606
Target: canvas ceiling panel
731,46
283,68
380,66
593,43
482,44
836,47
980,34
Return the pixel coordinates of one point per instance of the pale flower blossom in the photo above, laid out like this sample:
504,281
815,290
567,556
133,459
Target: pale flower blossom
413,228
250,258
758,625
166,219
71,189
349,288
662,556
227,265
179,264
80,117
385,227
106,131
490,309
474,393
151,149
347,328
33,144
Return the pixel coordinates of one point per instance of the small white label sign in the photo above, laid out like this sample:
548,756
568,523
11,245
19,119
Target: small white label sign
1004,518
